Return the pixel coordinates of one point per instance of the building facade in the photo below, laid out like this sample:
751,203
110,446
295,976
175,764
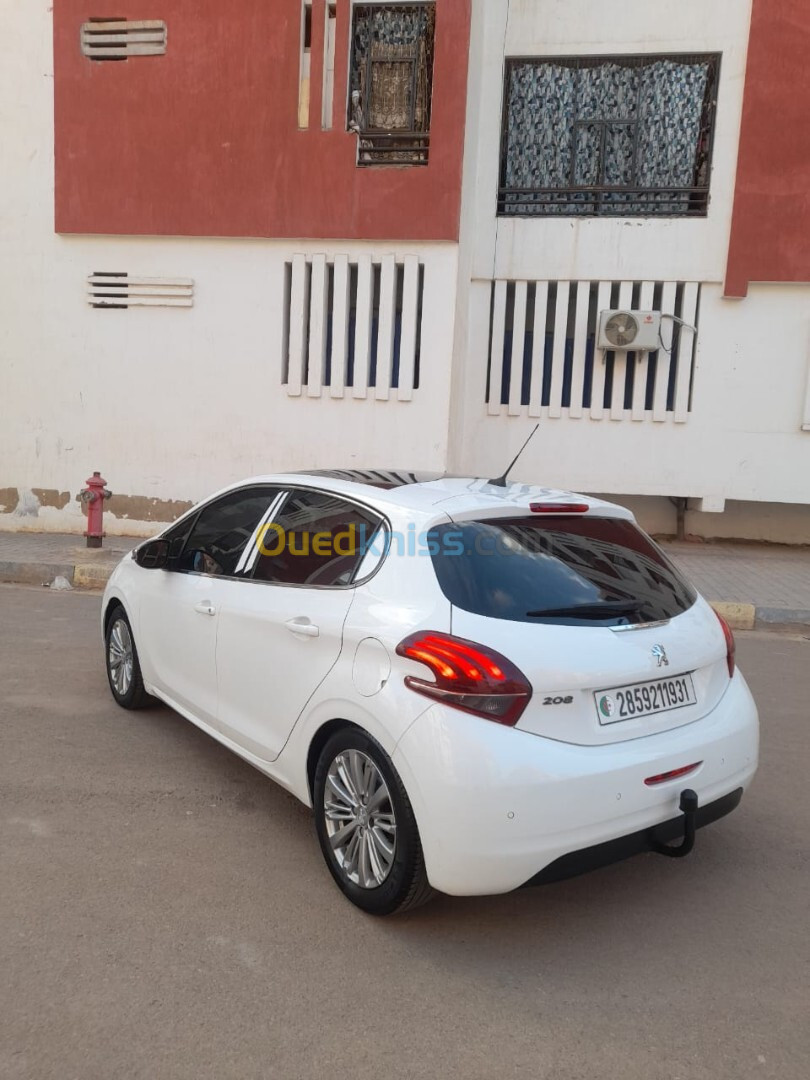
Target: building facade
289,235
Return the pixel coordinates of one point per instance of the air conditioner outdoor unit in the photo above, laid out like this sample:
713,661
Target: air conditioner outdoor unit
630,331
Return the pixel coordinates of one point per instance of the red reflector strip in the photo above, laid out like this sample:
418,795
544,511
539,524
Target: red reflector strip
558,508
673,774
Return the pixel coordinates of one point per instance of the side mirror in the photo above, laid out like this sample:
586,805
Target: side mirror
153,555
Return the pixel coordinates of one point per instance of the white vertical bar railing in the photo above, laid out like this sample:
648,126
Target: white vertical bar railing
317,326
642,367
364,311
664,354
386,326
496,352
620,359
538,348
558,353
340,326
410,313
599,362
580,348
518,345
299,316
686,351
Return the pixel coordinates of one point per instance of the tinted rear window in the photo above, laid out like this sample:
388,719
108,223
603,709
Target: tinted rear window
509,567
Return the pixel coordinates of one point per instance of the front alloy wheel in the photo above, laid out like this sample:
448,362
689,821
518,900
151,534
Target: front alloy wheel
366,826
123,668
120,656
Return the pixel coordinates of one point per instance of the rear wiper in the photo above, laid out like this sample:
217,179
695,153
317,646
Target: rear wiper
606,610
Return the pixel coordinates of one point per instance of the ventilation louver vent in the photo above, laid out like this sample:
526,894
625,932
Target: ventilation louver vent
118,39
122,290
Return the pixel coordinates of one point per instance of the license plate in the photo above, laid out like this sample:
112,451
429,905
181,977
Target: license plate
644,699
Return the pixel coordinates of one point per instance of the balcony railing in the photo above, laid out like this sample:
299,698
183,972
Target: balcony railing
393,147
603,202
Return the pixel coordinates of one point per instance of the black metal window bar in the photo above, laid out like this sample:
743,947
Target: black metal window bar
642,153
391,82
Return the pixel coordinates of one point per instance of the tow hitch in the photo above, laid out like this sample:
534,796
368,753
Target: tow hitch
688,807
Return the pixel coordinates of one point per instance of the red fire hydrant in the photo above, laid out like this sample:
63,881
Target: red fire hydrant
92,498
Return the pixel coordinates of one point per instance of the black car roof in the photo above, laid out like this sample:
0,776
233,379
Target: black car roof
378,478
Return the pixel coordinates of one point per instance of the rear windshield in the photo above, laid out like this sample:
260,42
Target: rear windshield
559,569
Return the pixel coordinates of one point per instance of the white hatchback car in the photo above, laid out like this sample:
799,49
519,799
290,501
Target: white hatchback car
476,687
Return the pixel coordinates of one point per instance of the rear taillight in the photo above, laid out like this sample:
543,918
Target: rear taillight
467,676
731,648
558,508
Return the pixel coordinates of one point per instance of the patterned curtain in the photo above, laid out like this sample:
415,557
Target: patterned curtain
392,62
610,124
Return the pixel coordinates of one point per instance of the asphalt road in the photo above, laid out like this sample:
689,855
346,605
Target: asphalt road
164,912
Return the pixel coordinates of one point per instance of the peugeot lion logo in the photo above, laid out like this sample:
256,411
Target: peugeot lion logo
660,654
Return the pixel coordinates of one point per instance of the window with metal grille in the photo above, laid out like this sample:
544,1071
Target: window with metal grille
118,39
620,136
391,82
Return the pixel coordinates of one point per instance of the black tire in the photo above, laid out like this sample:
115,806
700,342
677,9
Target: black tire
132,695
406,885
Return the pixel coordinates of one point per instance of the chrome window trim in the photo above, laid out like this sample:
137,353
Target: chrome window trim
642,626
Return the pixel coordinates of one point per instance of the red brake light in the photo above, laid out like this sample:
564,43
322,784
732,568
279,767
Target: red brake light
558,508
731,648
467,676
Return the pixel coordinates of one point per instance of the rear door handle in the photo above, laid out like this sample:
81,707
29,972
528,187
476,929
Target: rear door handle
205,607
303,627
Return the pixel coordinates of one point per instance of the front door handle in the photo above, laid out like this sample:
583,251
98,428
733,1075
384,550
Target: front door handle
205,607
303,627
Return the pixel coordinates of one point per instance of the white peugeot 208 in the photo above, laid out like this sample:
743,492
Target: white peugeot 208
476,685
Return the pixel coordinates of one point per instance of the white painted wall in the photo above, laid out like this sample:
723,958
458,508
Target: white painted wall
168,403
743,439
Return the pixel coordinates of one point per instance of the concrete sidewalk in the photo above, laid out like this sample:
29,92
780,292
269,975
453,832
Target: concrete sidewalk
31,558
751,584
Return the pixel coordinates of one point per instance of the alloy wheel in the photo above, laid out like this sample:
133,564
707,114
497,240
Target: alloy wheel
359,818
121,656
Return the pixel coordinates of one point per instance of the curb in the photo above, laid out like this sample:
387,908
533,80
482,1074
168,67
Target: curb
750,617
80,575
18,573
738,616
91,575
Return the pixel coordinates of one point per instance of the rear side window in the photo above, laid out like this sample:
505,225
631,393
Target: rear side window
315,539
560,569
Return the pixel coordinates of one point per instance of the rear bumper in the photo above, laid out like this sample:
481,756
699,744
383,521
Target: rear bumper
498,807
623,847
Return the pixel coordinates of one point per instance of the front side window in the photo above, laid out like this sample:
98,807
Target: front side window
612,136
574,571
391,82
221,532
315,539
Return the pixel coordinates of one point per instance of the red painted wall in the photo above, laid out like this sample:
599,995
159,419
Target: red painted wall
770,232
204,141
